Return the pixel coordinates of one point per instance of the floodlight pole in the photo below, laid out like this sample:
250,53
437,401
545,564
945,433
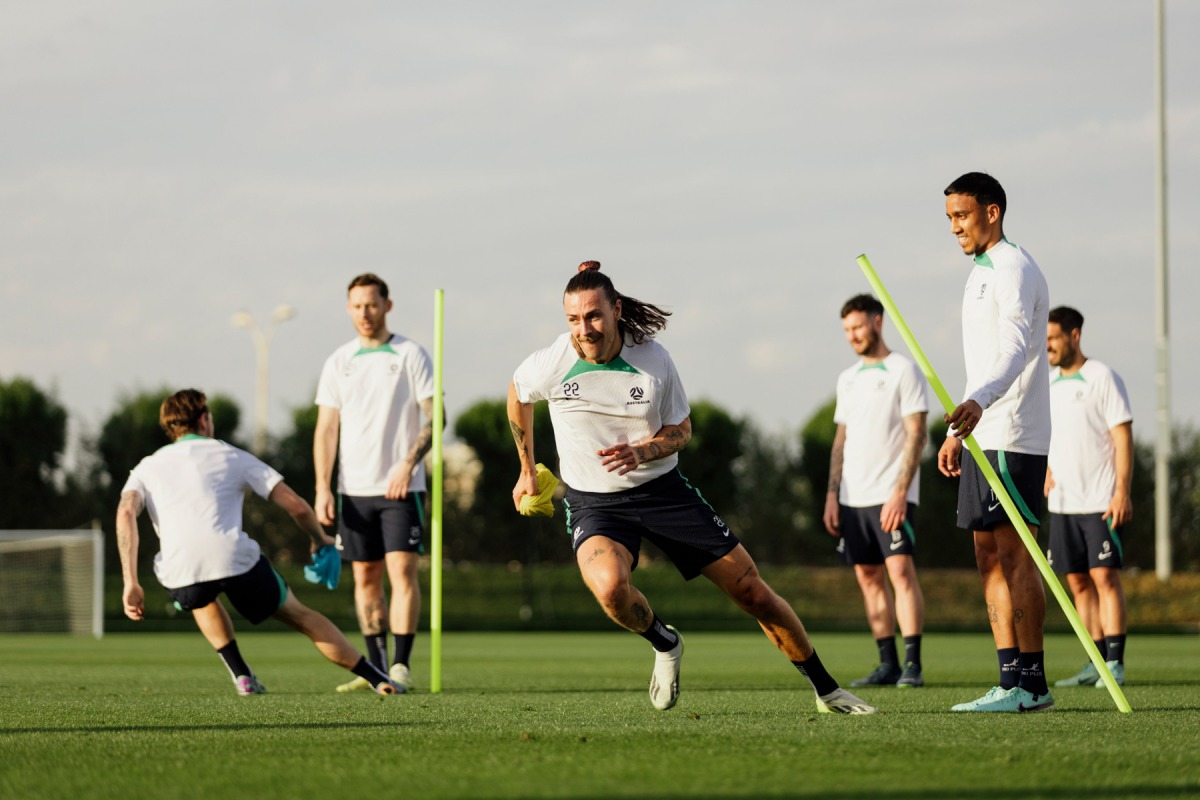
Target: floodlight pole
262,348
1162,446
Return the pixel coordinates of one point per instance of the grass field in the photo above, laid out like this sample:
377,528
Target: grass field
566,715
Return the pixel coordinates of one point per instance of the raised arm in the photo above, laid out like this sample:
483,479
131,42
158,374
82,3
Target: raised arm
325,446
401,474
626,456
132,596
896,508
833,512
301,513
520,421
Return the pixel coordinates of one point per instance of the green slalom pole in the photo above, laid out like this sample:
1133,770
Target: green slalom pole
435,578
994,480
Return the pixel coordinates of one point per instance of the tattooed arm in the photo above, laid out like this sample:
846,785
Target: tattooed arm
892,515
833,511
402,472
626,457
520,421
133,597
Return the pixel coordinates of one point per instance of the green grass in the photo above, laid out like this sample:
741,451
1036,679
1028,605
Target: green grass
566,715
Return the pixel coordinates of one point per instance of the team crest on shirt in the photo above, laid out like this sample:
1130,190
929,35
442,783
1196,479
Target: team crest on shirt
636,394
982,291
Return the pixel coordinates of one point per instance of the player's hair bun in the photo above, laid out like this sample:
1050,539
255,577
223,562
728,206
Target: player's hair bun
585,266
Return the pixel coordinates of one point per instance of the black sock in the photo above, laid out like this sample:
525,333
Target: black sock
376,649
812,668
912,650
402,643
1010,666
234,662
369,672
1115,645
1101,647
1033,677
659,637
887,651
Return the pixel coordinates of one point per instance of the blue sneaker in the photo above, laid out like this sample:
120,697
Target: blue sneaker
1085,677
1118,672
1014,699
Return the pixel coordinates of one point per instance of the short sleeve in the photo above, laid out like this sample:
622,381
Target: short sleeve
327,388
674,408
913,398
530,378
839,403
1117,410
421,372
260,477
134,483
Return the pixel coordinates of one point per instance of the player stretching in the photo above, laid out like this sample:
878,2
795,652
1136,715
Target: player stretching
620,417
370,399
874,473
1087,487
1004,310
193,489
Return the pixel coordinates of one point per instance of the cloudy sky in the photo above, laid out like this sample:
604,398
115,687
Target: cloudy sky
165,165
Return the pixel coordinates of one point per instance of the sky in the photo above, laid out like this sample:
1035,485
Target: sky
164,166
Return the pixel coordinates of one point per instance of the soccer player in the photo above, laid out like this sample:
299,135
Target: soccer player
372,395
620,417
874,476
193,489
1087,488
1004,310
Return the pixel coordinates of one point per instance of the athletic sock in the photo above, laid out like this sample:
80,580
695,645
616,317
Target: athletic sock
402,644
1033,677
887,651
376,649
1115,646
1101,646
234,662
812,668
912,650
369,672
1010,666
659,637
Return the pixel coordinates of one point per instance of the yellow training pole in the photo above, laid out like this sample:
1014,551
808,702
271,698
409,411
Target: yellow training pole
998,487
435,577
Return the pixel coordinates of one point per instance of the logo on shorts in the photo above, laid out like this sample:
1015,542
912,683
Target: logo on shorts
1105,552
1049,558
897,542
720,523
575,534
337,542
414,535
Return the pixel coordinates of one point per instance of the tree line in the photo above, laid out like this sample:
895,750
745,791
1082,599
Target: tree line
769,487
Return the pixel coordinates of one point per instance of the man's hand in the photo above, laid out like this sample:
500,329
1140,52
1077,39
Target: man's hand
1050,484
949,463
1120,510
325,539
892,515
621,457
527,484
398,480
325,506
134,600
965,418
833,515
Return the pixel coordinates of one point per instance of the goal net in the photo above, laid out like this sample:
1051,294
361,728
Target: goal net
52,581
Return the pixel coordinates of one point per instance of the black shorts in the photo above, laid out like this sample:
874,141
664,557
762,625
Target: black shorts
1023,475
668,511
864,541
372,526
1079,542
256,594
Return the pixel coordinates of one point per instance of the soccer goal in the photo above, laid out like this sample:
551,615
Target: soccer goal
52,581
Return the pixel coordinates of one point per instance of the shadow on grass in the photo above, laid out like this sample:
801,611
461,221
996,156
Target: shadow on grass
289,726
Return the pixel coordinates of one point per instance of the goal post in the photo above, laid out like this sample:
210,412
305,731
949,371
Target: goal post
52,581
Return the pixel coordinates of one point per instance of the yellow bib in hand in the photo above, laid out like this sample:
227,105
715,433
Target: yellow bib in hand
540,505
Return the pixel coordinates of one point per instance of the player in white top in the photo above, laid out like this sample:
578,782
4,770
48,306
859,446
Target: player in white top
372,396
1087,488
193,490
620,417
1004,310
874,485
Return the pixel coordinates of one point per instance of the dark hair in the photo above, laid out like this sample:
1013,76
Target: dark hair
863,302
639,321
983,187
1067,318
369,279
180,414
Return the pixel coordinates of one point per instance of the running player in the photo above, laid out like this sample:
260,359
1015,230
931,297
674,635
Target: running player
1004,310
620,417
874,477
372,395
193,489
1087,488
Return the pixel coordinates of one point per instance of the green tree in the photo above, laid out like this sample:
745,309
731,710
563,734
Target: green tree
816,445
33,434
709,459
774,499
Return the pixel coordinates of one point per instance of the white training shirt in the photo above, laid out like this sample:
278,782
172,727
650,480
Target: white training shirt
872,402
193,490
1005,309
1085,407
377,393
594,406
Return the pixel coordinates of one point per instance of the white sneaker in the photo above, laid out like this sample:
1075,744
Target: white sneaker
1118,672
664,681
400,678
248,684
839,701
356,685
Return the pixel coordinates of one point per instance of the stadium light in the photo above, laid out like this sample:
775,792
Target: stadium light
262,347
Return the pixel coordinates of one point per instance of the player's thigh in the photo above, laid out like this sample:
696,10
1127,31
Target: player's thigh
863,535
1067,550
1103,544
360,536
257,593
402,567
402,523
605,564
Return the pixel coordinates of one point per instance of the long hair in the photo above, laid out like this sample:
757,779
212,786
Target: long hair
639,321
180,414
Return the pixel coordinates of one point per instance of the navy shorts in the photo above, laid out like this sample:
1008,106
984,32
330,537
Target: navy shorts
667,511
256,594
1023,475
1079,542
864,541
372,526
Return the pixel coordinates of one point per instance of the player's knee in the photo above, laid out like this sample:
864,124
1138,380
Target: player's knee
755,598
1106,579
